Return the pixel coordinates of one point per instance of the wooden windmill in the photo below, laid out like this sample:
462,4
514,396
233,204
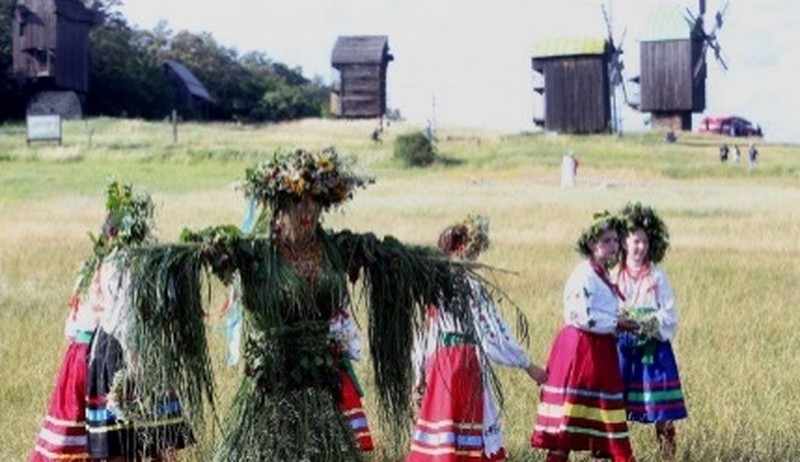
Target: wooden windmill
571,85
51,47
673,65
360,90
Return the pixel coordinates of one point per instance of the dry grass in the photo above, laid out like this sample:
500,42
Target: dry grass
733,264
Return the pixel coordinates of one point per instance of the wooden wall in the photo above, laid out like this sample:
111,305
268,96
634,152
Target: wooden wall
667,76
576,94
362,91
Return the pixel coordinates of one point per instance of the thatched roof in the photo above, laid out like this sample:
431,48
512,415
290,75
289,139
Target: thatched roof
361,49
557,47
666,23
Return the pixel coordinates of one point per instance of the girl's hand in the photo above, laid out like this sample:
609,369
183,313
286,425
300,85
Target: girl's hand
538,374
626,324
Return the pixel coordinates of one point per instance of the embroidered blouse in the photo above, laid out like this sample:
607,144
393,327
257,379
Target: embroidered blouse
590,302
651,290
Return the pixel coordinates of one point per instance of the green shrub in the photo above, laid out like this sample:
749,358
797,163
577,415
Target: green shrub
414,149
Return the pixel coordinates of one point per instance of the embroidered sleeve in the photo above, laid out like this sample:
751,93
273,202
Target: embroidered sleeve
667,313
344,331
582,304
493,332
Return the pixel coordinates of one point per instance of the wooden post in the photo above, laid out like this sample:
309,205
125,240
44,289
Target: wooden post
174,126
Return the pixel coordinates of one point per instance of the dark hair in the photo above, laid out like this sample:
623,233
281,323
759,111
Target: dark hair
601,222
637,216
452,238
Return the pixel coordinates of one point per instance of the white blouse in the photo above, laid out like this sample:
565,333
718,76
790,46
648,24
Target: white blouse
590,304
652,290
492,332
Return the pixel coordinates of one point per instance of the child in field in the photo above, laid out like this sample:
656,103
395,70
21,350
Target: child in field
64,435
458,418
581,405
653,391
119,429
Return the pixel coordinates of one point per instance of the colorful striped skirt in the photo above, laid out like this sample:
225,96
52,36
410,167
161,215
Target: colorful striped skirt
63,433
581,405
653,391
350,404
111,433
449,426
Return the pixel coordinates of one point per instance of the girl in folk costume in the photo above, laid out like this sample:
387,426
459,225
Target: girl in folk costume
458,417
63,435
653,392
581,404
124,423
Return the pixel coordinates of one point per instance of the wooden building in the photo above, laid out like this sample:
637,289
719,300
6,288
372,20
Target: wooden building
191,96
571,85
50,44
669,88
362,62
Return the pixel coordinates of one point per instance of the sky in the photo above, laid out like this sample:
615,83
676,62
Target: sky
466,63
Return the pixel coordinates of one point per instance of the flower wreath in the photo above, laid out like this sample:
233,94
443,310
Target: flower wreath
292,174
637,216
128,223
477,235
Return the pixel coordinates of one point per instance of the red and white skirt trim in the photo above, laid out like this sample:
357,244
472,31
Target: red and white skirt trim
63,435
581,406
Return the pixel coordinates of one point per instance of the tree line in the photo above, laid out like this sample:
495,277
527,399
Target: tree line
126,76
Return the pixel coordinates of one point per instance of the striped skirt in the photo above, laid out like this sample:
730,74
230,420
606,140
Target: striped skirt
63,433
581,405
350,404
449,426
113,434
653,391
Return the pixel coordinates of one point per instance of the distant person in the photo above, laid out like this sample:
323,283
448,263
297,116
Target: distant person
753,155
653,392
581,405
737,155
376,135
569,170
723,152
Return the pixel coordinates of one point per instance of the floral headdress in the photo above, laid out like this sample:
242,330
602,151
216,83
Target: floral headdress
637,216
601,222
326,176
128,223
477,235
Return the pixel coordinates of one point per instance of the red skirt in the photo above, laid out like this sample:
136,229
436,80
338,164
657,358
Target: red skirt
581,406
350,404
63,435
449,426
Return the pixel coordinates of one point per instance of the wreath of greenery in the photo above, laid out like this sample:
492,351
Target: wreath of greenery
601,222
637,216
129,216
327,176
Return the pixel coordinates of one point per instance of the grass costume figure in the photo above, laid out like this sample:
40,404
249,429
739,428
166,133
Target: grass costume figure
294,280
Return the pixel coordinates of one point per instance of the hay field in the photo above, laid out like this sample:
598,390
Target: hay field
733,263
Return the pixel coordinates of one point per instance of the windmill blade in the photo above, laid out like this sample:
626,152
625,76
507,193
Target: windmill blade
607,19
701,60
718,54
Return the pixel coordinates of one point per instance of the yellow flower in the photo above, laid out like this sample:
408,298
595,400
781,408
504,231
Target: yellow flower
297,185
325,164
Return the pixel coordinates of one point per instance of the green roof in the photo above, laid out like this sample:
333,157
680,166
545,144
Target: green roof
552,47
666,23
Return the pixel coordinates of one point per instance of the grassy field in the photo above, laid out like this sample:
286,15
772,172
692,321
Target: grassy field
733,263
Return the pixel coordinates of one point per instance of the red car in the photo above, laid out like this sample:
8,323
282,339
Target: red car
731,126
